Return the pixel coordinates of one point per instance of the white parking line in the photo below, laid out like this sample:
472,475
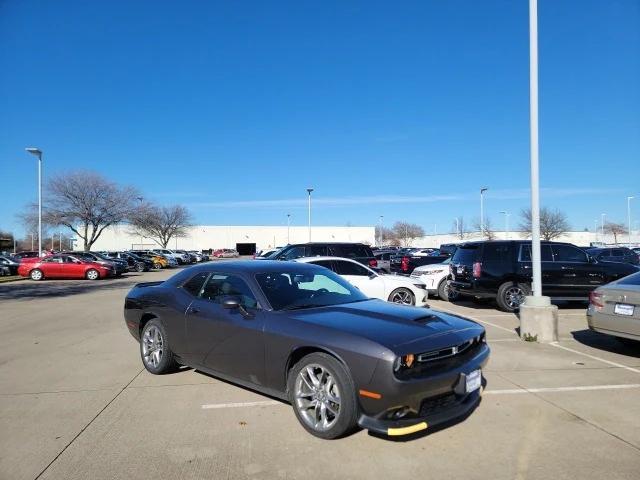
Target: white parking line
593,357
586,388
265,403
507,391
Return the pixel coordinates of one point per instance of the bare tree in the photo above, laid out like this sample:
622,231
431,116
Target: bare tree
486,230
161,224
459,228
553,223
86,203
407,232
615,229
385,235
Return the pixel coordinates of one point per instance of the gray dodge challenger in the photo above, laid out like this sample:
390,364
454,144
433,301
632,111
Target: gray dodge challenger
303,334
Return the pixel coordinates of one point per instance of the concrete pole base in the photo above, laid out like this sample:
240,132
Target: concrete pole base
538,320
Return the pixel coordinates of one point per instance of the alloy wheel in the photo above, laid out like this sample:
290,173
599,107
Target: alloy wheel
152,346
514,296
317,397
403,297
92,275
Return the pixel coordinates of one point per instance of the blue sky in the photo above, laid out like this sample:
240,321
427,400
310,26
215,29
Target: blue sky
400,109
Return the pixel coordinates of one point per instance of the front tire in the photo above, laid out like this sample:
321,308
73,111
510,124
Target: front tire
323,396
36,275
156,355
511,296
402,296
92,274
140,267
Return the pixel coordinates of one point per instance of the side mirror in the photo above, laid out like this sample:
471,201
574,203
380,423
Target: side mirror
231,303
591,259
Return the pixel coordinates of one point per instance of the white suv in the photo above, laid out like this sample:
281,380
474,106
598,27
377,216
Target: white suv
434,277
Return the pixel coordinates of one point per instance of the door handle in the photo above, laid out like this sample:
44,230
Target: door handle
566,268
194,310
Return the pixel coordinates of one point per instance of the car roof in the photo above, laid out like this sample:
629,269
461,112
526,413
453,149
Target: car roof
319,258
254,266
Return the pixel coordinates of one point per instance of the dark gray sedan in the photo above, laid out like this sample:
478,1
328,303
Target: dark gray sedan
301,333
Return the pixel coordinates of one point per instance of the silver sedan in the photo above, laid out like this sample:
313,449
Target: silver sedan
615,308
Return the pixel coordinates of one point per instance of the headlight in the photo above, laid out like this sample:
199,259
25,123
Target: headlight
404,361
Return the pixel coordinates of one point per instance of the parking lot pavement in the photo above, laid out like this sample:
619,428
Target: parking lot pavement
75,403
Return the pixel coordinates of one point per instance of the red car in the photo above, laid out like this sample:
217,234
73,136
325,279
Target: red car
63,266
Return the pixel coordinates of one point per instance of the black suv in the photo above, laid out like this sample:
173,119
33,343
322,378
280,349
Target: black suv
615,254
355,251
502,270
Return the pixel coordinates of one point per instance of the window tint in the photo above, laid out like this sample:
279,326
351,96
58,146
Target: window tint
618,252
545,253
325,263
316,251
219,287
350,268
294,252
350,251
194,284
53,259
567,253
495,253
465,255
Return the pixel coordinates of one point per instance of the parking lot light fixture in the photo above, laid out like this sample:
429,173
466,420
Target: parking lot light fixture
629,219
457,226
482,190
38,153
380,233
309,190
288,228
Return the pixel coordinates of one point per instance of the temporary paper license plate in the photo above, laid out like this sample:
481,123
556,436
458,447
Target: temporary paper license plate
460,270
474,380
623,309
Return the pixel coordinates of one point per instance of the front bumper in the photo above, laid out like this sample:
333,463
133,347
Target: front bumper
427,401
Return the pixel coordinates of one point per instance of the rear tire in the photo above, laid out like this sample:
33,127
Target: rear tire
155,350
402,296
320,379
511,295
36,275
445,293
140,267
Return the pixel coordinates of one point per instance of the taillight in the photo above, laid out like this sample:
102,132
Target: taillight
595,299
477,269
404,264
373,263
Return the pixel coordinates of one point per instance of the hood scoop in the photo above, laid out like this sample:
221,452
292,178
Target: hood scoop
426,319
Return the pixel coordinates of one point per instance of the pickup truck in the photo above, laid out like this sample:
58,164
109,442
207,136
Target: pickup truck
404,264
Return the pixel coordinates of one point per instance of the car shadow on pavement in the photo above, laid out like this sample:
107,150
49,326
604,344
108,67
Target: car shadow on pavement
605,342
29,290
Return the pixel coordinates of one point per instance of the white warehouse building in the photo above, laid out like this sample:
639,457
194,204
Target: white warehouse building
245,239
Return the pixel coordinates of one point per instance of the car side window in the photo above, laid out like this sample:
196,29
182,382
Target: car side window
220,286
194,285
545,253
617,252
325,263
54,259
294,252
316,251
350,268
567,253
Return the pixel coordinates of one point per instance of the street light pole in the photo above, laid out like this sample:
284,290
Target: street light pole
602,215
457,225
309,190
506,224
629,218
288,228
482,190
380,233
38,153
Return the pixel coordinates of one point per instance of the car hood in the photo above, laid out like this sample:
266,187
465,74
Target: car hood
433,266
400,328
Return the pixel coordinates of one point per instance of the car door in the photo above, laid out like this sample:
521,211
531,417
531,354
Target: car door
229,341
367,281
72,268
551,272
578,275
52,266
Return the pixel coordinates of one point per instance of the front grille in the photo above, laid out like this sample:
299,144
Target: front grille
448,352
437,404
